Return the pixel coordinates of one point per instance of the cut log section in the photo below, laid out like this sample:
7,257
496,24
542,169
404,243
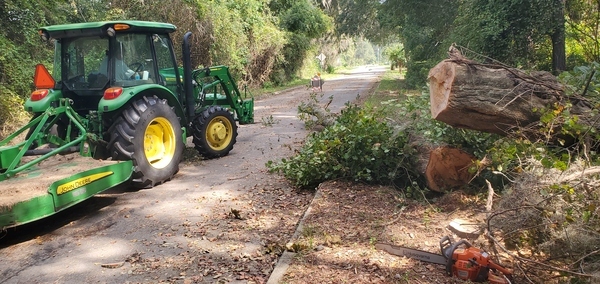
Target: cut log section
489,98
448,168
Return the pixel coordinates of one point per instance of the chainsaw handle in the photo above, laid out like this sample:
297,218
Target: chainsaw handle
448,252
500,268
444,243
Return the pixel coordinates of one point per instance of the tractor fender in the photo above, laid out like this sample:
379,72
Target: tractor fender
133,93
51,100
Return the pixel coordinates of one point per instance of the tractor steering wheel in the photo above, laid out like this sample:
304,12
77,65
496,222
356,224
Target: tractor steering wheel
138,67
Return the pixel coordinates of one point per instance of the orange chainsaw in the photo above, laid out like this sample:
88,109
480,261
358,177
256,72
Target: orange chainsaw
466,263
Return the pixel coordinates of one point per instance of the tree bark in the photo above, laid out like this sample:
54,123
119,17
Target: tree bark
489,98
559,61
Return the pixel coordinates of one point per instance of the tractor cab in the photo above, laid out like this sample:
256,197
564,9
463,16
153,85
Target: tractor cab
90,60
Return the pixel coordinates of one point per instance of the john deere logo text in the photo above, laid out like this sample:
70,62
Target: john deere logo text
64,188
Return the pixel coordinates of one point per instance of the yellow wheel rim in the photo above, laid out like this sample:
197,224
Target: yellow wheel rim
219,133
159,142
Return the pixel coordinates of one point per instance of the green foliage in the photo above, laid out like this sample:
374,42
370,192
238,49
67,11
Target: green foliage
303,18
303,23
577,79
12,113
421,32
563,137
294,52
583,19
21,51
365,53
500,29
359,146
358,18
395,54
280,6
581,79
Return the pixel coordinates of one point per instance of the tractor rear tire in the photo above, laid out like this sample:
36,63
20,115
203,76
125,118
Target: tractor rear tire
149,133
214,131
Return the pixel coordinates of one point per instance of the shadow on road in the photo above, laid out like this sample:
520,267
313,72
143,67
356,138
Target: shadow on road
44,227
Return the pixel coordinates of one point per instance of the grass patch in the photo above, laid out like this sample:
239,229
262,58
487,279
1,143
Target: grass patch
270,90
392,87
295,83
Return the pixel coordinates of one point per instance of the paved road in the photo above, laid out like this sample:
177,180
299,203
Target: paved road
184,231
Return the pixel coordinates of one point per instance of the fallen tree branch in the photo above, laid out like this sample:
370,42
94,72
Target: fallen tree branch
489,235
549,267
589,171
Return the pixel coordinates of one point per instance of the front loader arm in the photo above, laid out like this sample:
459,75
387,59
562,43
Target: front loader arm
219,78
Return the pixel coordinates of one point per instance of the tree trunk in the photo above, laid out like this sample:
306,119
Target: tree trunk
489,98
443,167
448,168
559,61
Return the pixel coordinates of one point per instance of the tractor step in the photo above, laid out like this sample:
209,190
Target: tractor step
55,184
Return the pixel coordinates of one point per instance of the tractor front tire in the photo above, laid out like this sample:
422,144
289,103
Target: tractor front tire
214,131
148,132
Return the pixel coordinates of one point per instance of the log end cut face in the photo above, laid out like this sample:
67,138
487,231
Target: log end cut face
448,168
441,78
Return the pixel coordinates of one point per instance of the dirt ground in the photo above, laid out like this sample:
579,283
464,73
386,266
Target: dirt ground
339,234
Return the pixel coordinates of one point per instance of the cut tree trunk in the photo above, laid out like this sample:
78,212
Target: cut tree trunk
448,168
443,167
489,98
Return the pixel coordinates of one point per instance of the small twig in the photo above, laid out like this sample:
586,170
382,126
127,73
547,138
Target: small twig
395,219
587,85
490,197
242,177
391,222
503,174
524,274
583,257
517,96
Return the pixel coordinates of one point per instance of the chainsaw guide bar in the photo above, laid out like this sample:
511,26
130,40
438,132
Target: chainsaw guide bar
413,253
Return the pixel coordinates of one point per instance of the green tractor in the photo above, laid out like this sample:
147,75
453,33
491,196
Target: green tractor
115,108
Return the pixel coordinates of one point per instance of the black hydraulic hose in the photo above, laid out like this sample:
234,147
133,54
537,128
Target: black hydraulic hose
37,152
187,77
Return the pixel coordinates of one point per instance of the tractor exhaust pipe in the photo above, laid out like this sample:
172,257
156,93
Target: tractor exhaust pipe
188,87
